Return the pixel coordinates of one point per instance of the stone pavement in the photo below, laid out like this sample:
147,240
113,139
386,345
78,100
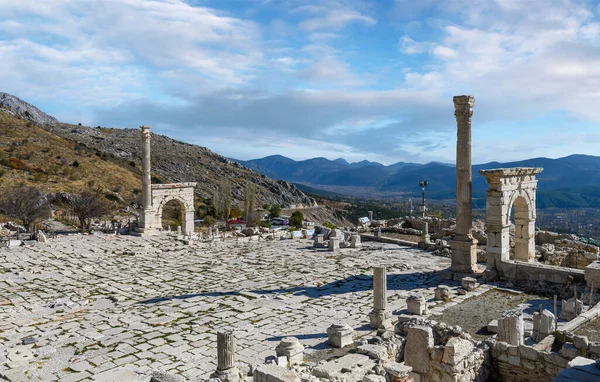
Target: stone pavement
85,307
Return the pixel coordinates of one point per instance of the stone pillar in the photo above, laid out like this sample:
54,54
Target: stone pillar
379,317
464,246
416,351
147,216
370,215
340,335
510,327
355,241
543,325
318,242
334,244
378,232
227,371
425,241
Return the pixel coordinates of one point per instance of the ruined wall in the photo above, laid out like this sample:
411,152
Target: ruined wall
524,364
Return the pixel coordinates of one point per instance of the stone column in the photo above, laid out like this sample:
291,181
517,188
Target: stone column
370,215
464,246
379,317
147,215
227,371
146,168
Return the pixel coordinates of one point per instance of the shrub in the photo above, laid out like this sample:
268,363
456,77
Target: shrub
75,164
265,224
209,220
296,219
132,164
275,211
329,225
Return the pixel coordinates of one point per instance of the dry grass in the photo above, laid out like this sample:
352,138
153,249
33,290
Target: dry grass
36,157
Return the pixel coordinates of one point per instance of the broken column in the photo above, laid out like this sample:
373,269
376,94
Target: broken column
378,232
379,316
424,241
370,215
464,246
227,371
543,325
510,327
442,292
290,348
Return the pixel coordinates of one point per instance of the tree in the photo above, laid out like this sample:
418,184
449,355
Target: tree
275,211
249,201
236,212
296,219
89,205
24,203
222,199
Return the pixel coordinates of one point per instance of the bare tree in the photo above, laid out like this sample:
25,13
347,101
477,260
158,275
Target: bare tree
89,205
222,199
24,203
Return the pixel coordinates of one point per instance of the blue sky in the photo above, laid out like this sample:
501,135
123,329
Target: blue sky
354,79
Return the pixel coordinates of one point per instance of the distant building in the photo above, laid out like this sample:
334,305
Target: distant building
238,224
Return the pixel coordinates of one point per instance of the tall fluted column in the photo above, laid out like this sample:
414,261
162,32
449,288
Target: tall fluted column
464,178
146,180
379,317
464,246
227,371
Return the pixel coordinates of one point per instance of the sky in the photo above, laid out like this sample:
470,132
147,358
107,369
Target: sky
354,79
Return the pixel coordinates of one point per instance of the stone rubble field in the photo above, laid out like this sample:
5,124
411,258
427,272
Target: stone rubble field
91,307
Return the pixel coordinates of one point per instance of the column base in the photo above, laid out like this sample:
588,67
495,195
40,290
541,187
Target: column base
229,375
464,255
380,319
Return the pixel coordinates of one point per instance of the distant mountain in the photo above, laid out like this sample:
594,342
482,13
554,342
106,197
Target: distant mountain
336,172
572,181
21,108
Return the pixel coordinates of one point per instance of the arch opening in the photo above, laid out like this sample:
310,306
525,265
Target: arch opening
524,245
172,215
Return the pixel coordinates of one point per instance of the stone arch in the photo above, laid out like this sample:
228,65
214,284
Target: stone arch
510,188
164,201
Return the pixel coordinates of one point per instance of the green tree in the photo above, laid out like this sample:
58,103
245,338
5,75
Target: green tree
249,202
275,211
296,219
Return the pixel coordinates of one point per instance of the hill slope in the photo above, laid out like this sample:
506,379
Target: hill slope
35,156
17,106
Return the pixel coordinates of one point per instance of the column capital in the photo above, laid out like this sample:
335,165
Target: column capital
464,100
144,127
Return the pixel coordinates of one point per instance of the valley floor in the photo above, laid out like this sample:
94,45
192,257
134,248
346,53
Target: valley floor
90,307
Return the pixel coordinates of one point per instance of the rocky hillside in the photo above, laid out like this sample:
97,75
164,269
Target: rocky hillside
40,149
175,161
16,106
34,156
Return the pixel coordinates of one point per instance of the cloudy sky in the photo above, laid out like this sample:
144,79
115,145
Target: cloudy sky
357,79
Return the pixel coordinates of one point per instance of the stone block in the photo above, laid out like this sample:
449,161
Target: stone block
355,241
569,351
442,292
592,274
492,326
274,373
581,342
373,378
418,342
543,324
416,305
469,283
340,335
318,243
334,244
528,352
456,350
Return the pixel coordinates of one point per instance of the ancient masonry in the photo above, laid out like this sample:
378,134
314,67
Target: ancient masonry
155,196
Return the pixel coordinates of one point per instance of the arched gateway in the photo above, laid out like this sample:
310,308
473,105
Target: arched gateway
508,188
155,196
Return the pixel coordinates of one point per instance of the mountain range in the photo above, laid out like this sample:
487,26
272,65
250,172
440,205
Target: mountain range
572,181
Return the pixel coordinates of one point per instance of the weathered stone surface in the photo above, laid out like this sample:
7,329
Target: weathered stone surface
581,342
456,350
492,326
543,324
571,308
274,373
418,342
442,292
374,351
351,367
569,351
397,372
334,244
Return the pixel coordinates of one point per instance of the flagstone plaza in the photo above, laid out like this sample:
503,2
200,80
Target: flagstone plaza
91,307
